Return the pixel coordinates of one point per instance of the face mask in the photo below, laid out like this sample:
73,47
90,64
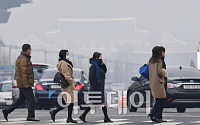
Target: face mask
67,57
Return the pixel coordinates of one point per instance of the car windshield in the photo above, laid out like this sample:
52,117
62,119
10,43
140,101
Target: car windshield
184,72
39,70
6,87
49,74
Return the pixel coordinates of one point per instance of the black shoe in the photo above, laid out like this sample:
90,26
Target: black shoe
71,121
52,115
32,119
152,117
163,120
107,120
82,119
5,114
158,120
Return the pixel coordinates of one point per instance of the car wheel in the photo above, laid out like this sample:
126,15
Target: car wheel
181,109
131,108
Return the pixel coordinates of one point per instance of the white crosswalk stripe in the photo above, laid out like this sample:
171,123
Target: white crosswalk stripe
100,122
61,121
17,121
169,122
197,122
115,122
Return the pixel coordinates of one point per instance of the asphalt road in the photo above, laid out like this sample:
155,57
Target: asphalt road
191,116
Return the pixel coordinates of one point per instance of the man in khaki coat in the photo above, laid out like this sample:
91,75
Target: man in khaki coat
25,82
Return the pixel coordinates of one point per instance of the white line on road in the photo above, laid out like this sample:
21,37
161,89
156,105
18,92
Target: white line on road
197,122
17,121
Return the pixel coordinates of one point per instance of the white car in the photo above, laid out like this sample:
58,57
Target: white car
6,93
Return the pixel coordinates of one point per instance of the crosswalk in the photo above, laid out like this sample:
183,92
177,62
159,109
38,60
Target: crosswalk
196,122
115,122
63,121
169,122
16,121
19,121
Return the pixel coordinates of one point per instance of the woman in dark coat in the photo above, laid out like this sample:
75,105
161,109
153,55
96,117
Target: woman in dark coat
97,73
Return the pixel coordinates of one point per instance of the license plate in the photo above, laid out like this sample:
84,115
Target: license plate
191,86
55,86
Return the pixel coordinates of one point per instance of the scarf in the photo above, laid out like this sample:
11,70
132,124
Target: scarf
66,61
97,62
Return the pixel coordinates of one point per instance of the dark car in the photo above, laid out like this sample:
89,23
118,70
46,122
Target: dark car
46,91
183,89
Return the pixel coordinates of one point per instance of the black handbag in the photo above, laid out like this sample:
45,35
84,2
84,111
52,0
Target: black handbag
59,78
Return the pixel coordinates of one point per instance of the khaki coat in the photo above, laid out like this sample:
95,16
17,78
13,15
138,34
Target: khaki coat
156,78
67,70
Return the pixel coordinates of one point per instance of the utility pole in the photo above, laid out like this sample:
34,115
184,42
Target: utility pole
9,61
45,56
1,44
0,55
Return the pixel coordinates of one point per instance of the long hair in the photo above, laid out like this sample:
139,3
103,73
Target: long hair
95,55
156,54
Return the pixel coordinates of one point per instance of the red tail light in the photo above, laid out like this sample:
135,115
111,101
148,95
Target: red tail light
79,86
169,99
38,87
14,87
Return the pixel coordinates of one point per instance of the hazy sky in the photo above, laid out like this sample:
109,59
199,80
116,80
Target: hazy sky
127,29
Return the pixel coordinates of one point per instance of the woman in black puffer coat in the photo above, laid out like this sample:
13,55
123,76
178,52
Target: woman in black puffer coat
97,73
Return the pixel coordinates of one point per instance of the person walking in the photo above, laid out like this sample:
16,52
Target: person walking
97,73
156,78
25,82
65,67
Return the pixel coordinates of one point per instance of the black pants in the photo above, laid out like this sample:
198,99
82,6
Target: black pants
25,94
70,109
158,108
104,109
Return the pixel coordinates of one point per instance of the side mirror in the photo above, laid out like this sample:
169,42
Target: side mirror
134,79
